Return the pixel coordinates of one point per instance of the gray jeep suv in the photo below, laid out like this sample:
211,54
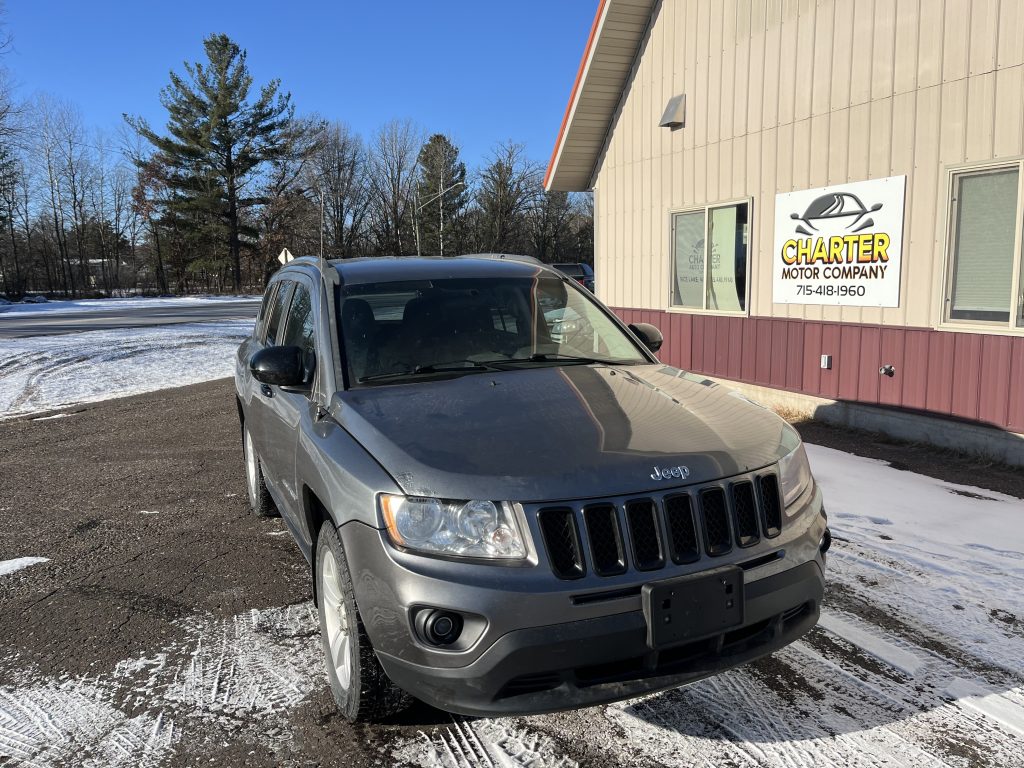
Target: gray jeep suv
502,519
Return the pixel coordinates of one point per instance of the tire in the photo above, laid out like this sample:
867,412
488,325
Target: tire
360,686
259,497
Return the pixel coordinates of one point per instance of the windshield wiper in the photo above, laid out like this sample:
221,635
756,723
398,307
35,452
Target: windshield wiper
557,357
454,366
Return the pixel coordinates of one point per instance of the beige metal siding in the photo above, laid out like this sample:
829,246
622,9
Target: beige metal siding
790,94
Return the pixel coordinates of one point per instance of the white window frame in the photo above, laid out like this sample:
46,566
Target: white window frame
946,321
706,209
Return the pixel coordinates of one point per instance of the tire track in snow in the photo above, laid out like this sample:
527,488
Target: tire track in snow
227,679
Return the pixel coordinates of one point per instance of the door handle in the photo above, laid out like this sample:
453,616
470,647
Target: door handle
266,391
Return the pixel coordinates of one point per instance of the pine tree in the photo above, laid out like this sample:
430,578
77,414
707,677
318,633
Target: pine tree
441,196
217,142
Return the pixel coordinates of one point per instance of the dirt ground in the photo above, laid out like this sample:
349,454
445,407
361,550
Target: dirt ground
139,505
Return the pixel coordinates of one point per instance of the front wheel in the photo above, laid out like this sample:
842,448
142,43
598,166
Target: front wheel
259,496
360,686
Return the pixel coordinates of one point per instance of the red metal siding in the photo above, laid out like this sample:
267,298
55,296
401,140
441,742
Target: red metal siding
969,375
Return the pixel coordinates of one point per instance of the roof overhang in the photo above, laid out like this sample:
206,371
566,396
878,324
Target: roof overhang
615,36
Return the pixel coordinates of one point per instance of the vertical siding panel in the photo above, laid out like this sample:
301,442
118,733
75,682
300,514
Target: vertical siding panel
788,56
716,85
994,398
697,343
804,72
1015,412
880,139
771,72
1011,34
929,49
1009,108
914,373
883,49
756,70
890,391
763,352
748,368
720,343
940,373
702,101
869,363
984,43
842,55
861,126
919,243
724,53
908,34
821,75
740,48
956,39
794,354
831,344
981,93
812,358
689,14
849,361
735,330
779,354
966,375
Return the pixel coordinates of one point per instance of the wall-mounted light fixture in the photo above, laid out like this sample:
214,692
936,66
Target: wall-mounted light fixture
674,116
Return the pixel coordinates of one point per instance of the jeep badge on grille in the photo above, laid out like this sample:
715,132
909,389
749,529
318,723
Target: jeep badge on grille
670,473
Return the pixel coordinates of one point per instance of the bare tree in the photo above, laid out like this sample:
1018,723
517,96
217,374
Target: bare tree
392,176
338,171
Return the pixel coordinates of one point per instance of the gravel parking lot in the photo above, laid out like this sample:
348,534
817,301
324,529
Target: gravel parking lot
149,619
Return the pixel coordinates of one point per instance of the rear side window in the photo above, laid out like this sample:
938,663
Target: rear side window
261,318
298,329
276,314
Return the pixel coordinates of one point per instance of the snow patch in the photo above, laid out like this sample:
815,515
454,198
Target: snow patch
905,661
994,705
8,567
493,743
46,373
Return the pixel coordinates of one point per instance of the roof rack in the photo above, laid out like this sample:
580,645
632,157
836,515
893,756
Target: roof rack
505,256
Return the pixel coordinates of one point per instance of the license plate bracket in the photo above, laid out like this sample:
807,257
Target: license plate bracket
693,607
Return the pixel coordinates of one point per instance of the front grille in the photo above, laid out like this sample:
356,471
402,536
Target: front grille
771,505
715,516
562,540
744,514
682,530
642,518
606,550
677,528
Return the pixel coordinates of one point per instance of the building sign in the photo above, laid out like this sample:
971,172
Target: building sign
840,244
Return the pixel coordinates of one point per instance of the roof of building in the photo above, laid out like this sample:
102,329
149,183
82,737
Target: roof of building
615,37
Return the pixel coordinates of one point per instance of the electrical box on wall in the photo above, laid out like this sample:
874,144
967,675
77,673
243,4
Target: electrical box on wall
826,362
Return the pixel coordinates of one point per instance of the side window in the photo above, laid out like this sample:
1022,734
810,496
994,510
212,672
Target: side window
986,283
280,303
298,329
710,254
261,318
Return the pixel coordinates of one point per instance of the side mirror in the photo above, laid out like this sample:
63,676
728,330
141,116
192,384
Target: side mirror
648,334
282,366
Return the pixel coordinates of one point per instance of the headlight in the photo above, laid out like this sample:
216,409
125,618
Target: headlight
795,474
455,528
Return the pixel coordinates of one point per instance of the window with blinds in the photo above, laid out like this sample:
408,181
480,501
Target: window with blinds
984,245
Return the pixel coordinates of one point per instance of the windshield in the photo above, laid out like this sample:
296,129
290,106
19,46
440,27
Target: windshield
394,331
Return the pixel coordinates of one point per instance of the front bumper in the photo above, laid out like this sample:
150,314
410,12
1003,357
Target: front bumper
580,663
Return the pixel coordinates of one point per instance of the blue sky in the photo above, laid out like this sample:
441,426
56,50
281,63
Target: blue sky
480,70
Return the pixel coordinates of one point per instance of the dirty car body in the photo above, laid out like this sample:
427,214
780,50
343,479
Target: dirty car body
528,521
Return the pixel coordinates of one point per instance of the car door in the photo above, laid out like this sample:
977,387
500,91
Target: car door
259,395
287,406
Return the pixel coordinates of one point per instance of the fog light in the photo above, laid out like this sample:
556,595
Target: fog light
826,541
438,627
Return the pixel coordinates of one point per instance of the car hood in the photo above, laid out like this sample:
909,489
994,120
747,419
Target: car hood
560,432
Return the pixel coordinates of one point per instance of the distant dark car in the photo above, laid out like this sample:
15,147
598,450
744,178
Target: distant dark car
508,504
581,273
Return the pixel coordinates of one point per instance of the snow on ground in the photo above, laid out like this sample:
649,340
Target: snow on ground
10,566
87,305
228,679
45,373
